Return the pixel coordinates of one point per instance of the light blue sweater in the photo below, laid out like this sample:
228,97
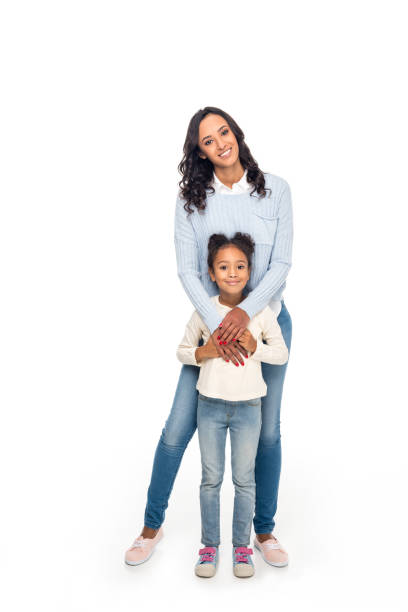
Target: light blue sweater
268,220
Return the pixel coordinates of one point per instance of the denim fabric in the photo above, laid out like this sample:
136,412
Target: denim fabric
269,456
243,419
180,427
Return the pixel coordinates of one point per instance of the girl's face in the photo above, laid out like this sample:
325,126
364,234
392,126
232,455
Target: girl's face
230,270
217,142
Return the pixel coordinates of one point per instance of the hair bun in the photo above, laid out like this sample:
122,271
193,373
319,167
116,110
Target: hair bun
216,241
245,239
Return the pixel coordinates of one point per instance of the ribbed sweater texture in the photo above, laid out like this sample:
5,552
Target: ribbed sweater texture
267,219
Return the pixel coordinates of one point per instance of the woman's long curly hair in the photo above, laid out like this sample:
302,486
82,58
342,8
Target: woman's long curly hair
197,173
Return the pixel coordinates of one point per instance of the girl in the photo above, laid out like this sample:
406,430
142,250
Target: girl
223,190
230,399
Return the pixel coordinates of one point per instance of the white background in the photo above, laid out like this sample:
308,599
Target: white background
96,101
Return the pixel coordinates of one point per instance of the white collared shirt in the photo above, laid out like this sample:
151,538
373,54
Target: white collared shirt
241,187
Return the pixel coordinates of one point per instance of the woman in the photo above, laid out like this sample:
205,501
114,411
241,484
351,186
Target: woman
223,190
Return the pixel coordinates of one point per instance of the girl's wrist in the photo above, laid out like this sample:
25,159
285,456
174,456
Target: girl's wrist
199,356
202,352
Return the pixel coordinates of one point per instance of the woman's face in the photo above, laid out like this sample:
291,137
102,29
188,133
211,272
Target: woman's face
217,142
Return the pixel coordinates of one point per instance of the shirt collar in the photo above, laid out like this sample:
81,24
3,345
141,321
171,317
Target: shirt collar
241,186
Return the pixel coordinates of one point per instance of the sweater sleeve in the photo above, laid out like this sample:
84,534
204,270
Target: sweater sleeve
275,350
280,262
188,268
188,345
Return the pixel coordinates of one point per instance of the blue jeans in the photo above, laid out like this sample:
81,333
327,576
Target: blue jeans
243,419
181,425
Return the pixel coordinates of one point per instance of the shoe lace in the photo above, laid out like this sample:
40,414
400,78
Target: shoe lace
242,554
207,555
138,544
274,545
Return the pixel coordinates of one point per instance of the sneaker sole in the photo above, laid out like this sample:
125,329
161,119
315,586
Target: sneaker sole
281,564
249,575
133,563
205,576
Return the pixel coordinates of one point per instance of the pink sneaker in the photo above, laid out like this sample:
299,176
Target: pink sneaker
142,549
272,552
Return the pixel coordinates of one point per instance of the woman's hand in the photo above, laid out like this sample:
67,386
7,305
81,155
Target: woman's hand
213,348
229,352
233,325
248,341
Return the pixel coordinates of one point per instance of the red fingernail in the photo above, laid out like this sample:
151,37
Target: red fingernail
225,342
227,360
242,363
246,356
220,325
220,343
234,339
237,364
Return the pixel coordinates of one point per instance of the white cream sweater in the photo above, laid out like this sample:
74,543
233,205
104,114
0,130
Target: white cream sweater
224,380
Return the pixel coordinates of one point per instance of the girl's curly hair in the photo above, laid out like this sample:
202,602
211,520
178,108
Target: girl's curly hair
197,173
243,242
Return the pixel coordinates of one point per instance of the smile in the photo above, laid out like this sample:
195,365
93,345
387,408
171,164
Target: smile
226,153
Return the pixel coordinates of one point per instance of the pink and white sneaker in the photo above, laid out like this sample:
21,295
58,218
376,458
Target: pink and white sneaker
272,552
206,565
142,549
242,564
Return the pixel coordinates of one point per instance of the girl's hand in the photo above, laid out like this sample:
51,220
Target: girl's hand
211,348
207,351
248,341
233,325
214,348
